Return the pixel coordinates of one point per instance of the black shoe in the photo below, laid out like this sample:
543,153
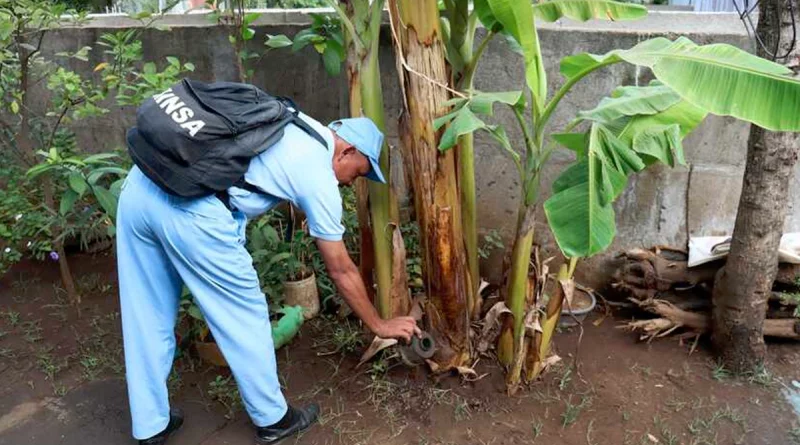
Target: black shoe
301,419
175,422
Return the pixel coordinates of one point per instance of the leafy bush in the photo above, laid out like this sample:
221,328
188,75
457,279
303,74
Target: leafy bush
67,194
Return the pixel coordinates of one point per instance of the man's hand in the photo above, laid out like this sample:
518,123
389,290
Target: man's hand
399,327
348,280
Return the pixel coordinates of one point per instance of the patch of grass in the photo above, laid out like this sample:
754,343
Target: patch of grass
90,366
32,331
225,391
667,436
565,379
3,334
573,411
174,382
461,411
536,428
677,405
100,352
379,367
705,428
47,364
719,372
760,376
794,434
645,371
93,282
8,353
59,390
13,317
344,337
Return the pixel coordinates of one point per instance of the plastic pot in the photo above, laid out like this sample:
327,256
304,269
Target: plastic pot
303,293
572,318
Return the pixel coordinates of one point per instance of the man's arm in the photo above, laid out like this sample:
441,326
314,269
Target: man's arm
349,283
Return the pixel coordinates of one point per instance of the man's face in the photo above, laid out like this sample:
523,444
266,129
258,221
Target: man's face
348,163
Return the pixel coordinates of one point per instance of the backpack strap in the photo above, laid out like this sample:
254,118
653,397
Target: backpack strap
300,122
311,132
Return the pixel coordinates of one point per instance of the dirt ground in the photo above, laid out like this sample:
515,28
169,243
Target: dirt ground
61,382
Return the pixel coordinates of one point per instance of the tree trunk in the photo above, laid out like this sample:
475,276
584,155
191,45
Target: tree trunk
26,146
366,251
366,99
436,195
743,286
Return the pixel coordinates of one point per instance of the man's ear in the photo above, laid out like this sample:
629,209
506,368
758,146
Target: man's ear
350,150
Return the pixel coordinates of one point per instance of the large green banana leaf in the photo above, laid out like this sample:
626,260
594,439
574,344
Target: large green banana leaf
516,18
719,78
634,128
583,10
631,101
650,120
658,137
580,211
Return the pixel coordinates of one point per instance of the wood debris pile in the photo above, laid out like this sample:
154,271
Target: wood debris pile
677,299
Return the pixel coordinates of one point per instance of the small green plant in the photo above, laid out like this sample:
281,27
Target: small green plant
277,259
346,338
32,331
791,299
760,376
224,390
719,372
667,436
47,364
90,366
536,429
410,234
462,411
491,241
565,379
13,317
232,14
324,34
573,411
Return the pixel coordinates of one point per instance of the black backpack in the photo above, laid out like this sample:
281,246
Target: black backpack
197,139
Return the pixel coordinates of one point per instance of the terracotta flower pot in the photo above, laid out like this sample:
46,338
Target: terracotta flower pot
303,293
209,352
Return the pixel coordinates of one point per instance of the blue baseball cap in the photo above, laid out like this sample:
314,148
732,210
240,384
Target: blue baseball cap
363,134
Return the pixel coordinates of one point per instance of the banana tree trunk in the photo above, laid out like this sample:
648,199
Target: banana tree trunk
465,155
511,337
436,195
366,251
744,284
537,356
366,99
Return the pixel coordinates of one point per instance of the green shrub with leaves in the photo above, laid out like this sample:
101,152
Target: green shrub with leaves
326,37
72,193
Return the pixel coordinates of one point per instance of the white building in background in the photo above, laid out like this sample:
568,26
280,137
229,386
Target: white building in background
719,5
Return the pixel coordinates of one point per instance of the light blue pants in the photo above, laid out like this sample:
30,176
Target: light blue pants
165,241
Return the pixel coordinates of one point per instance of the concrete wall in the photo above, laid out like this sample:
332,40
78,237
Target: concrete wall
660,206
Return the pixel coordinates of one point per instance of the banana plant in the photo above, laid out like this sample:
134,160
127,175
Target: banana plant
635,127
352,35
378,214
